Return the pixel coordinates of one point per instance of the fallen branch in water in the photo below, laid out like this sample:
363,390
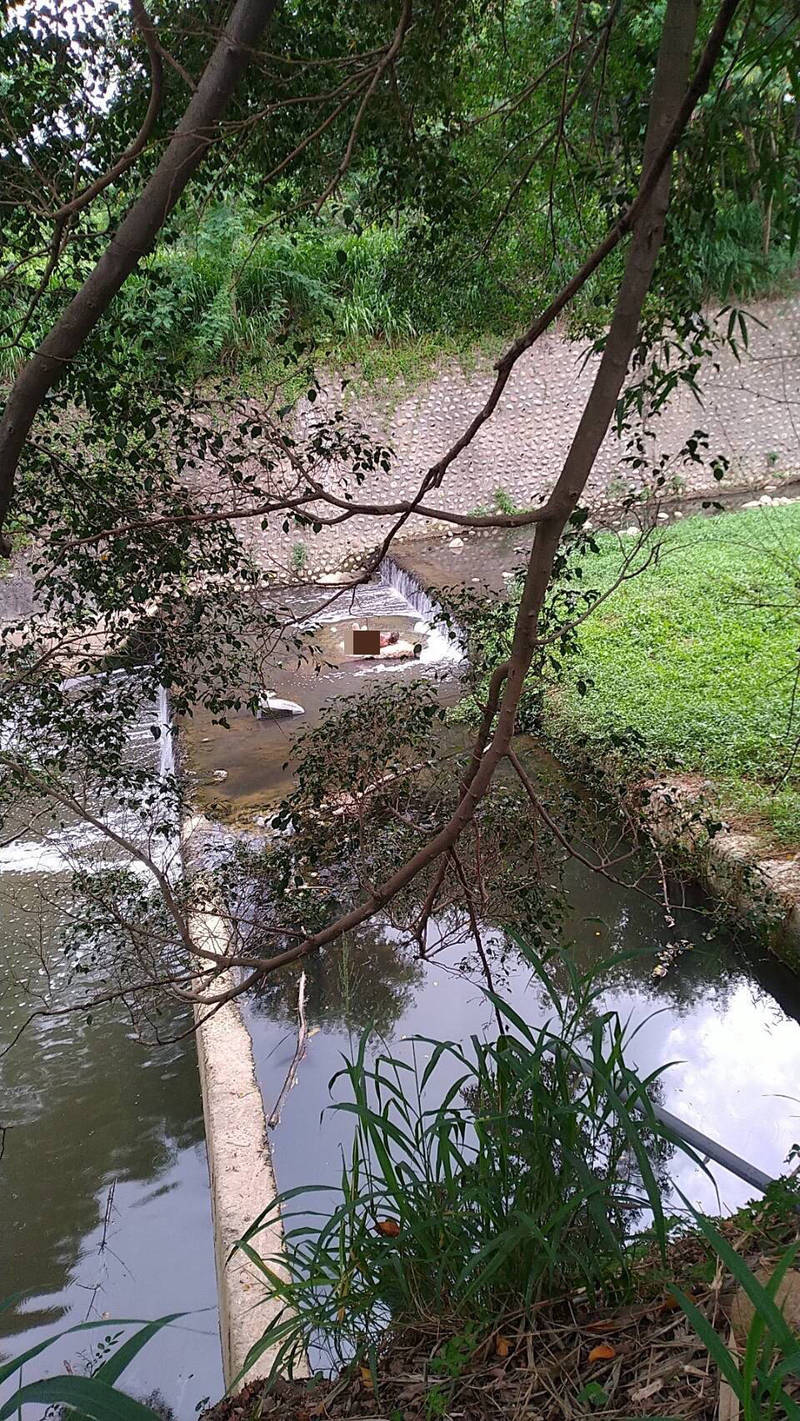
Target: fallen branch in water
299,1054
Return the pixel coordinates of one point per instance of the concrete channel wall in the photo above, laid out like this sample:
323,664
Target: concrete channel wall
239,1166
240,1175
750,410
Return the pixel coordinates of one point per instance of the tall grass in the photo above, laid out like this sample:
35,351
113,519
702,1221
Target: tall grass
224,290
480,1180
224,293
757,1370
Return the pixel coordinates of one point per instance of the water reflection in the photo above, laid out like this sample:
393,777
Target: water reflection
724,1020
103,1181
370,983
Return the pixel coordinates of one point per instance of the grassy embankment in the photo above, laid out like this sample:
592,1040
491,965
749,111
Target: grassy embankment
376,302
699,656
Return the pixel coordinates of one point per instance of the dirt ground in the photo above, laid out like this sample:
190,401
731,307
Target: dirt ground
565,1358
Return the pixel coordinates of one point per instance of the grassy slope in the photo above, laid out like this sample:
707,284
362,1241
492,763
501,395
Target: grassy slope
698,654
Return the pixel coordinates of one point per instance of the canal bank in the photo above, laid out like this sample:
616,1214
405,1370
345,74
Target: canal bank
660,640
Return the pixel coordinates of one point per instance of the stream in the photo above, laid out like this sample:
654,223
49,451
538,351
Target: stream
103,1181
727,1013
104,1195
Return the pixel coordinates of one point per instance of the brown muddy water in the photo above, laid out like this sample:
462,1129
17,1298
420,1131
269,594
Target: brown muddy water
253,754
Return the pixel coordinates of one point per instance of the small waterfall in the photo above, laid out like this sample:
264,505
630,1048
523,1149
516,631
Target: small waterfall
444,643
411,589
168,855
58,851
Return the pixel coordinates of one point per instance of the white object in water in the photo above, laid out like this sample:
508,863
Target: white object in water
270,704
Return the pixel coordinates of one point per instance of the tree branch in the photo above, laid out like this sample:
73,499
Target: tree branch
670,109
193,136
147,30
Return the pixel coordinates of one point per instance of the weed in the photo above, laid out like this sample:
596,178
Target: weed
92,1396
503,501
482,1177
756,1373
298,557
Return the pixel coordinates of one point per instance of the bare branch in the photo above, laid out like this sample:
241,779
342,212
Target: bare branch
154,53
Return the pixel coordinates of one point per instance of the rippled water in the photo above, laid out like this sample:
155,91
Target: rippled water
104,1178
104,1196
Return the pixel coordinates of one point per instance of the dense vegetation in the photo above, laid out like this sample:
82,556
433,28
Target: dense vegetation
369,184
503,1228
457,213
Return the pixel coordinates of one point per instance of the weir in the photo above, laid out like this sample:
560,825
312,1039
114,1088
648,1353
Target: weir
445,641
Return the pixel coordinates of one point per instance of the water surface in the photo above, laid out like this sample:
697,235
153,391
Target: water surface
104,1195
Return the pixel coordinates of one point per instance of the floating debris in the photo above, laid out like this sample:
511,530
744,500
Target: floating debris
669,955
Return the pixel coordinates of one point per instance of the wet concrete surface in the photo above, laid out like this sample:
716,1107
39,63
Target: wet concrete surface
484,561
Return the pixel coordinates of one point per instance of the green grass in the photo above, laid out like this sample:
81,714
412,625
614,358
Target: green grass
698,656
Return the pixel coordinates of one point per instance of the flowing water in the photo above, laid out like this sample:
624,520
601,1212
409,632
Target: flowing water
104,1196
244,768
104,1191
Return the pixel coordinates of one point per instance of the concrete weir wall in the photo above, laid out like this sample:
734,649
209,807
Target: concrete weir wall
239,1161
750,410
240,1171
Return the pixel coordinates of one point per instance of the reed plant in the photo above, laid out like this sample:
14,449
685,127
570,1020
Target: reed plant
482,1178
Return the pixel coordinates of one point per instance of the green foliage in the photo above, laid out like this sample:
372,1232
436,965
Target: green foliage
223,292
488,623
94,1396
462,209
482,1178
504,503
298,557
697,657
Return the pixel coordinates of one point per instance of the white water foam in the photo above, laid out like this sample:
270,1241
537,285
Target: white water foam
441,643
60,851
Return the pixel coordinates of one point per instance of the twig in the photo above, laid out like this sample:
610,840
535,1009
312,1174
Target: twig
299,1053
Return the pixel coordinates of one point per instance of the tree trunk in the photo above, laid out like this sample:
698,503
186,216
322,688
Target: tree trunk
195,133
670,84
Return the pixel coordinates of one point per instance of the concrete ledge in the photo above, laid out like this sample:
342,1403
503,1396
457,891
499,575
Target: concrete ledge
239,1161
240,1171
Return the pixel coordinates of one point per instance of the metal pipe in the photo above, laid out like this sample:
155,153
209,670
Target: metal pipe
703,1143
712,1150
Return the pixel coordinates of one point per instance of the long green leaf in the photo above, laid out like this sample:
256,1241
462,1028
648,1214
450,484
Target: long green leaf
85,1394
114,1366
9,1368
712,1341
758,1295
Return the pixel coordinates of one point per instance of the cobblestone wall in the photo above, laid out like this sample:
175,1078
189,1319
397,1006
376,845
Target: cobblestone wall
750,410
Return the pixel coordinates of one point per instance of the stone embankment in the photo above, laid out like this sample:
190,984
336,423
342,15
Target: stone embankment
750,412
